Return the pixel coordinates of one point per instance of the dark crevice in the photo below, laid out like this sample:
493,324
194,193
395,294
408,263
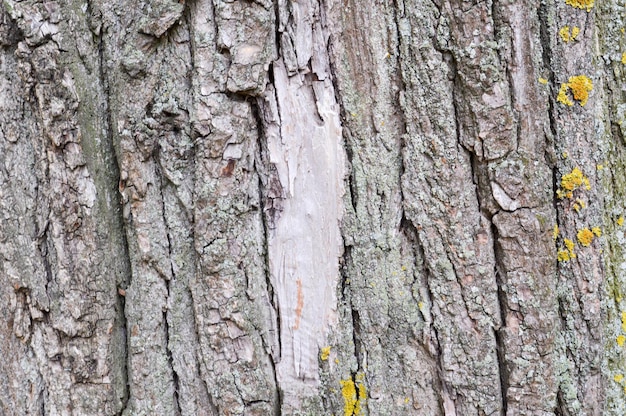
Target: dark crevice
110,148
346,132
345,261
500,333
356,336
273,359
44,246
544,18
43,399
277,33
352,182
560,405
170,361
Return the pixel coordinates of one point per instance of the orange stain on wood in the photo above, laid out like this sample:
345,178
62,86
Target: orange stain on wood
300,304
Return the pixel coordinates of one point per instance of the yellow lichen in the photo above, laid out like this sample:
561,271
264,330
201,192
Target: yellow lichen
354,395
581,4
623,321
562,194
562,96
618,378
568,253
597,231
572,181
620,221
324,353
581,85
620,340
624,58
563,255
348,391
582,203
555,232
570,247
599,166
568,35
585,237
542,80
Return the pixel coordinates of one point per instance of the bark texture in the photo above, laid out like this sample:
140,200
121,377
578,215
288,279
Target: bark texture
257,207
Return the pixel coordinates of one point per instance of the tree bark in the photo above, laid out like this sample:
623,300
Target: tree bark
255,207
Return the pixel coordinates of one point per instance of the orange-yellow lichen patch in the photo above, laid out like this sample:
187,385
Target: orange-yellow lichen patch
585,237
580,85
581,4
620,221
324,353
572,181
555,232
620,340
597,231
542,80
624,58
623,321
618,378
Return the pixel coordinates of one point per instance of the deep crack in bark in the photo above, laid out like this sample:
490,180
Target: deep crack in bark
113,150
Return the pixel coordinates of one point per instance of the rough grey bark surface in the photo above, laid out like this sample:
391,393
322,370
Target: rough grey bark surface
215,207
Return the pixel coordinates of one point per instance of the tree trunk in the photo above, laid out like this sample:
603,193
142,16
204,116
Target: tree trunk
312,207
